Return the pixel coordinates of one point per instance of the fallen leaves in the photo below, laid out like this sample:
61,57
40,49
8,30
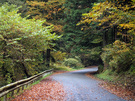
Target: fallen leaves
118,90
46,90
115,89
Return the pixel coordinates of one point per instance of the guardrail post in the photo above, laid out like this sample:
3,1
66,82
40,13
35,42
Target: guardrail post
48,58
12,93
5,98
18,90
23,87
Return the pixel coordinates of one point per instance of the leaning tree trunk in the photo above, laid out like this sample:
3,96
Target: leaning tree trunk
25,70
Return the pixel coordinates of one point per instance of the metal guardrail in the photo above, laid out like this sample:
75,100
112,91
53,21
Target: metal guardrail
20,84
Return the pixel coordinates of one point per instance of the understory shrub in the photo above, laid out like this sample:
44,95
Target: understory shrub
119,56
60,67
100,68
73,63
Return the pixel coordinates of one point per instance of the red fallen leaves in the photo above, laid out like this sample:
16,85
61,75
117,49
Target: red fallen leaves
46,90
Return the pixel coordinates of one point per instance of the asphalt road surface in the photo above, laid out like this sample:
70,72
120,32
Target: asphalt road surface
79,87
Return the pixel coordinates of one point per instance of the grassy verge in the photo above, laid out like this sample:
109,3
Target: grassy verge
107,75
121,84
125,79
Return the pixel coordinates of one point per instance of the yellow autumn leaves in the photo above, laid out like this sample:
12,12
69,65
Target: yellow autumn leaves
107,15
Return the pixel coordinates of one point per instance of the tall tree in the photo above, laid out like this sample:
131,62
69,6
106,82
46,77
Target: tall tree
116,20
21,43
73,35
51,10
110,16
75,41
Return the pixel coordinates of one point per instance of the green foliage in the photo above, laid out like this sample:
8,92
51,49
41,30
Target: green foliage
132,69
19,3
21,41
118,56
107,75
110,14
100,68
75,41
59,56
124,79
113,20
73,63
94,53
16,2
51,10
91,56
73,35
60,67
78,58
8,76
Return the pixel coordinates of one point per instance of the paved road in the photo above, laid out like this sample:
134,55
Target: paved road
81,88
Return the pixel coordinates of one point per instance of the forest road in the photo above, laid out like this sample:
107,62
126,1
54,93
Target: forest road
79,87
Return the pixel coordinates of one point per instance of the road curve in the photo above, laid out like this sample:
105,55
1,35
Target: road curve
79,87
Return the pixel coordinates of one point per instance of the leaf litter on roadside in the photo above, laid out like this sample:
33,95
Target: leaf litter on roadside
116,89
46,90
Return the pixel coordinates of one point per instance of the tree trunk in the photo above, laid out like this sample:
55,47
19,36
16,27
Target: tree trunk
43,53
25,70
48,58
104,38
4,70
113,34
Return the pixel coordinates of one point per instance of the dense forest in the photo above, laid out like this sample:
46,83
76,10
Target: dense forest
75,33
